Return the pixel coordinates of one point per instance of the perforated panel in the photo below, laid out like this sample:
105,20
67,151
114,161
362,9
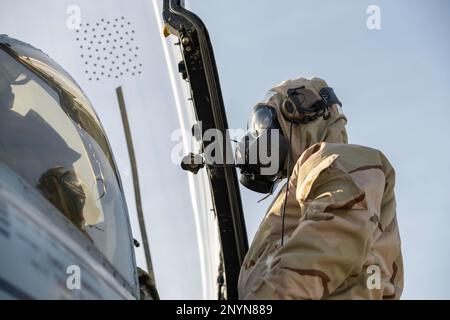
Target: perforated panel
108,48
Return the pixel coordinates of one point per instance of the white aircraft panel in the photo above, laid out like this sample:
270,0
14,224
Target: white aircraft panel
104,44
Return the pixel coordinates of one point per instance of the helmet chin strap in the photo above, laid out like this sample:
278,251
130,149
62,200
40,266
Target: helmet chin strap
271,192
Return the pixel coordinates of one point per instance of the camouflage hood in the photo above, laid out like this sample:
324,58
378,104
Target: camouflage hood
319,130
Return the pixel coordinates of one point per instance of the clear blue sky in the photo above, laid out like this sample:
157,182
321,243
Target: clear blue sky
394,84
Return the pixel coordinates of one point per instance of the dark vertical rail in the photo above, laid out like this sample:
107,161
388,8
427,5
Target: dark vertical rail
137,189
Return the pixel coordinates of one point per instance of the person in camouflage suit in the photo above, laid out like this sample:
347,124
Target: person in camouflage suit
341,238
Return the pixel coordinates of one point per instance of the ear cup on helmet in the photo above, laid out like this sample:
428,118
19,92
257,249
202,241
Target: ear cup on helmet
293,107
302,105
289,110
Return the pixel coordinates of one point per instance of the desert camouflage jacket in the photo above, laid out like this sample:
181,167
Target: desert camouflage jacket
341,237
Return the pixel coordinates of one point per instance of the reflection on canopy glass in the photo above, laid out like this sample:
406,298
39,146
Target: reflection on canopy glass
50,136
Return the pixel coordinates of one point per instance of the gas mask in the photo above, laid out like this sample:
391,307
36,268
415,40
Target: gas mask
262,152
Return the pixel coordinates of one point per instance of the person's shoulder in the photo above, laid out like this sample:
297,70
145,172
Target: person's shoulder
349,157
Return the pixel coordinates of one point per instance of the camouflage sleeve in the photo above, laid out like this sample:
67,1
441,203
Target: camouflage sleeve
331,240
